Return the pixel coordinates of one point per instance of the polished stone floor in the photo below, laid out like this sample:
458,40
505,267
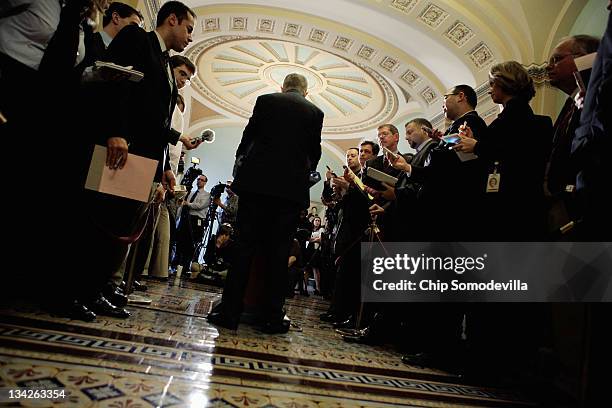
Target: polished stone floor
167,355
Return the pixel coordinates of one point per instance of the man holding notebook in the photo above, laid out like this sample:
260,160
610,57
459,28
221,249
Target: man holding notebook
137,121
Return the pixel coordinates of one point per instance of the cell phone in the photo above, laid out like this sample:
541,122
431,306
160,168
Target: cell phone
330,170
454,138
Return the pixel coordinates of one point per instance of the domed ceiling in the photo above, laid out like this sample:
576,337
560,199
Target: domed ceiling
367,62
233,72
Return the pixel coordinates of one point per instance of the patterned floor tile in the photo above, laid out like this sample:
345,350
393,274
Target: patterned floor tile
168,355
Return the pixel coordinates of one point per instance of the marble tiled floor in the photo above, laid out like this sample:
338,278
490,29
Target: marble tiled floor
167,354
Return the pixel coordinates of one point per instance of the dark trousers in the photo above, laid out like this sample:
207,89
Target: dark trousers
190,232
345,301
267,236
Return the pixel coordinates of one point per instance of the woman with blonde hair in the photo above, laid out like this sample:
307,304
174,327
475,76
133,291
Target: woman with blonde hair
516,147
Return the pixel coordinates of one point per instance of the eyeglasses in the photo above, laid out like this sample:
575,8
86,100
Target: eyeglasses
555,59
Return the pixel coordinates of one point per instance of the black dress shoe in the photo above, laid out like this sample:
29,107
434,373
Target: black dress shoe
363,336
117,298
275,327
328,317
115,295
345,324
103,307
417,359
222,320
75,310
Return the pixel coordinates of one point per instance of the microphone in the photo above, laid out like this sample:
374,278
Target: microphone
208,136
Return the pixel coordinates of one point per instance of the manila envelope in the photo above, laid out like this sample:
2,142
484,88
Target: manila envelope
133,181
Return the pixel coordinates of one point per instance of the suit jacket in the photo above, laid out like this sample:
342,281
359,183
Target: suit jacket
141,112
284,135
593,139
560,171
448,183
95,49
407,189
517,211
379,163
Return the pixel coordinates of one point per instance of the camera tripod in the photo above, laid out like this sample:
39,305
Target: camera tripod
209,221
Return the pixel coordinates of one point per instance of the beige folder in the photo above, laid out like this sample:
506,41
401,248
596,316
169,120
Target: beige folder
132,181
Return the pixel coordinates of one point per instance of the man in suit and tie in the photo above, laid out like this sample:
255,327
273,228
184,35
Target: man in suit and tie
444,177
284,135
560,175
137,115
406,190
388,138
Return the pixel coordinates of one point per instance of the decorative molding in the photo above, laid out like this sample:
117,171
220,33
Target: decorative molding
231,58
151,7
411,78
292,30
459,33
482,90
438,120
390,106
491,112
366,52
433,16
481,55
345,77
349,90
390,64
343,43
238,23
211,24
252,53
537,73
429,95
405,6
318,36
347,98
265,25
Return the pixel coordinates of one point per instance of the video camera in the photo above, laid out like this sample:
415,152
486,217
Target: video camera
192,173
217,190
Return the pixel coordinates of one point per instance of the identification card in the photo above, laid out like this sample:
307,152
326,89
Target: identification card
493,183
199,222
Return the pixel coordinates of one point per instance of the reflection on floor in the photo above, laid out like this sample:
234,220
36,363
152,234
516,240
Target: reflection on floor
166,354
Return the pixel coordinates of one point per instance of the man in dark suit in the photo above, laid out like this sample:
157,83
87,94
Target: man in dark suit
284,133
560,175
137,114
591,146
406,190
116,17
388,138
444,177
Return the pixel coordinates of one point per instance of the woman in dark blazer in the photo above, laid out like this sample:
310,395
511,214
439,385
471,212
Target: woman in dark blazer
516,147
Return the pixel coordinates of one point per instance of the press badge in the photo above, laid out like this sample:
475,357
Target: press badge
493,180
199,222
